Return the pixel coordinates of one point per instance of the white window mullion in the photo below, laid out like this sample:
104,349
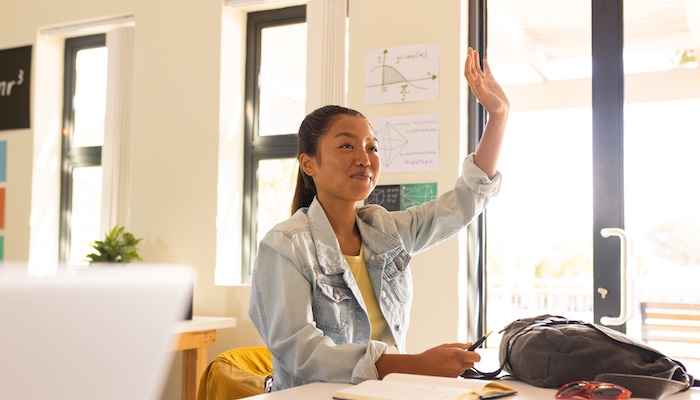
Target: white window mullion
326,53
118,126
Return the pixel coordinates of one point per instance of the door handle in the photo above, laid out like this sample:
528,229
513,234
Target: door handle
628,275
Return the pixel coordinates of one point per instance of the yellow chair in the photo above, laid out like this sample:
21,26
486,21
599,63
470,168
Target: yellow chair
235,374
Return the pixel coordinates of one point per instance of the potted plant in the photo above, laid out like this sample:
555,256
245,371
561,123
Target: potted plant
117,246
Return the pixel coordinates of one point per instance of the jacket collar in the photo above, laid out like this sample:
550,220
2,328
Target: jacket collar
330,257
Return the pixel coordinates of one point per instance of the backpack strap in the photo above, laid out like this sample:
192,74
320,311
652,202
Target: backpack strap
476,374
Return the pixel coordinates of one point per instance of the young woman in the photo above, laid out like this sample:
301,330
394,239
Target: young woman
331,289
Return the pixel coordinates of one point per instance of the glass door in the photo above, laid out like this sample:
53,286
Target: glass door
662,137
541,231
539,257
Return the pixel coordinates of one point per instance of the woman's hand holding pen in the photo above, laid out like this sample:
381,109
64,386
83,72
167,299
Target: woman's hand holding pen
450,359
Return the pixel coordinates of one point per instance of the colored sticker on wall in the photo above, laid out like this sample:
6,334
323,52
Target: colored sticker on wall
3,161
401,197
2,208
2,248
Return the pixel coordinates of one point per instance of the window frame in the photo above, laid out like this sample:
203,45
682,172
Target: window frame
73,157
259,147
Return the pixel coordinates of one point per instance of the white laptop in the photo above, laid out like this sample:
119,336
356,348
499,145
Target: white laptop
89,333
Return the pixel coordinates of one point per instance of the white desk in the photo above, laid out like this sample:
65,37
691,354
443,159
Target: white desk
193,338
324,391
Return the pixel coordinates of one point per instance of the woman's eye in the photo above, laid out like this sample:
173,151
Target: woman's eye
346,146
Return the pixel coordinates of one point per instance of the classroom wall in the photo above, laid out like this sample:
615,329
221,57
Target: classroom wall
187,125
178,121
435,315
187,107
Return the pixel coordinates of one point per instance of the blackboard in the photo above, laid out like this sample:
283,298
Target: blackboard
401,197
387,196
15,68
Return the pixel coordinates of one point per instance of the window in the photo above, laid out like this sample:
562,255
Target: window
275,106
85,87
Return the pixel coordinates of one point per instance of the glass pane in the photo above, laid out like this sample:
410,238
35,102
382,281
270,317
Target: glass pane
276,180
539,245
90,97
85,215
282,79
661,164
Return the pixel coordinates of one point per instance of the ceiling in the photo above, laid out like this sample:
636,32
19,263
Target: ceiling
553,36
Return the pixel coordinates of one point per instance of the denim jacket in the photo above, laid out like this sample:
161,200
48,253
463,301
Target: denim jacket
306,304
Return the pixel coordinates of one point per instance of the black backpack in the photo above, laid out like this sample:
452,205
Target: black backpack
550,351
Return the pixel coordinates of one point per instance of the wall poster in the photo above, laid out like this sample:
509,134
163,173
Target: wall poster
400,197
15,68
402,74
407,143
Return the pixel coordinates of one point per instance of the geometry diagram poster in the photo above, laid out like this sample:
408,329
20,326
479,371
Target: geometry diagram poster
407,143
401,74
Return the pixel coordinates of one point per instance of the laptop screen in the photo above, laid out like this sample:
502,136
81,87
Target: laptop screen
91,332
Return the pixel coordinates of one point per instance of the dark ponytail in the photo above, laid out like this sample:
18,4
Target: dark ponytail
312,128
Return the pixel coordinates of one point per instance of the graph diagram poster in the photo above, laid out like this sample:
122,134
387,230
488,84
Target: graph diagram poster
407,143
401,197
401,74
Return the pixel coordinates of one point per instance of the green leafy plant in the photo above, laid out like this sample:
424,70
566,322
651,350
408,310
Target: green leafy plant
118,246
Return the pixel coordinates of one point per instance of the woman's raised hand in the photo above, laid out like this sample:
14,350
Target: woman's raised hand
484,86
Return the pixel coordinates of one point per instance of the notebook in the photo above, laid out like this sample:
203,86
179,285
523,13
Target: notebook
398,386
91,332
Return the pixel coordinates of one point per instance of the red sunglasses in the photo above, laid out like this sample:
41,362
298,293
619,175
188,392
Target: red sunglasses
593,390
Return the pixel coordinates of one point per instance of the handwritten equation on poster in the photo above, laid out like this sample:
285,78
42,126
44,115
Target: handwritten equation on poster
401,197
407,143
401,74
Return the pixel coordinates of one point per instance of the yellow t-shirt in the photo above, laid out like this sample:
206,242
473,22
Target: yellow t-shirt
377,321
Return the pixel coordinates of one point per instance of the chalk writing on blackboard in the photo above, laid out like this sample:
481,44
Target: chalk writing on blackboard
6,86
387,196
401,197
15,84
417,193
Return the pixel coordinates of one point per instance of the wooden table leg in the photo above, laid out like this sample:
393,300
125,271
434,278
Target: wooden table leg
194,362
194,359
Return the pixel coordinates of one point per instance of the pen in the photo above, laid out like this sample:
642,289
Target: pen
478,342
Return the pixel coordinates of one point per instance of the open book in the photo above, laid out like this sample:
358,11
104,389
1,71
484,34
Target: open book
397,386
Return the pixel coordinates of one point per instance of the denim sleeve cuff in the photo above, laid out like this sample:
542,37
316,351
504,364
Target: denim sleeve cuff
366,368
477,179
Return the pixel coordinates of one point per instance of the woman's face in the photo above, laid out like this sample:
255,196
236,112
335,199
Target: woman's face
347,165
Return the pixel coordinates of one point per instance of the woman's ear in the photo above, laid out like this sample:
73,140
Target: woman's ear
307,164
